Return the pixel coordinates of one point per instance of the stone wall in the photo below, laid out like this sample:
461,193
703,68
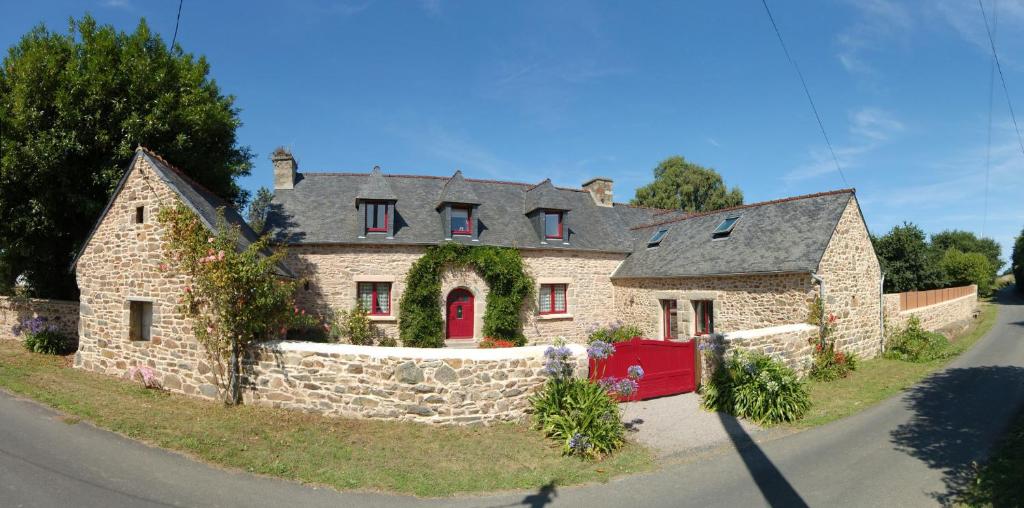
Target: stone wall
436,386
792,344
122,263
741,302
932,317
333,272
13,311
853,285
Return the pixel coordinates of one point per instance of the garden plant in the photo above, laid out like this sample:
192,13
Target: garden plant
42,336
757,387
915,344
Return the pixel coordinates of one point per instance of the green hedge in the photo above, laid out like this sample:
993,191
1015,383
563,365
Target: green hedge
420,323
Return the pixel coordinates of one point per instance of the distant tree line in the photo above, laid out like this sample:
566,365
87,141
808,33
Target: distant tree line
1017,262
913,262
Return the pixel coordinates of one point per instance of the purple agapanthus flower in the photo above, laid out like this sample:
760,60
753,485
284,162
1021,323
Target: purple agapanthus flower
557,364
600,350
33,326
579,443
635,372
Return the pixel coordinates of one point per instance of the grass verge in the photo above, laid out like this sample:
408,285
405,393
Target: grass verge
998,482
879,378
344,454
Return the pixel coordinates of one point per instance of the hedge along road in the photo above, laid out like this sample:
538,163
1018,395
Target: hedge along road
911,450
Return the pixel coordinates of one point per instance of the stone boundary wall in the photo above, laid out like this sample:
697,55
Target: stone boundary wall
435,386
61,312
933,317
789,343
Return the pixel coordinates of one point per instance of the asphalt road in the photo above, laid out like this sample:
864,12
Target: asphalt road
910,450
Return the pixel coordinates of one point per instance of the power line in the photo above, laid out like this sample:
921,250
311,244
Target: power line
806,92
176,23
1002,78
991,94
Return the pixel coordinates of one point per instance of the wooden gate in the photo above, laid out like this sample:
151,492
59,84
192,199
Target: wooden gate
669,366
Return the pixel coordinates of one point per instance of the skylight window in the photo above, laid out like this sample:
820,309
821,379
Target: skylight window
657,237
725,228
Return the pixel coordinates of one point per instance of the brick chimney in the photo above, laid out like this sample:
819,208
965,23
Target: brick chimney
284,168
600,189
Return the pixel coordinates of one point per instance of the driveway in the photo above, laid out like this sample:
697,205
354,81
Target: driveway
910,450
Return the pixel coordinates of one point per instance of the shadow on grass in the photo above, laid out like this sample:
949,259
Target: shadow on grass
957,415
774,486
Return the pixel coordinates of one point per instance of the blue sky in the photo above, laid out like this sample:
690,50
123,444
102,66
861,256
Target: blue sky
574,89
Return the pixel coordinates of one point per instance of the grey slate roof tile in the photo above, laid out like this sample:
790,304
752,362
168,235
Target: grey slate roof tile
456,190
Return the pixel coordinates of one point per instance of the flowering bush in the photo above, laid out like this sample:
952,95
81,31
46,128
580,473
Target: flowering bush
144,375
615,332
830,364
43,337
491,343
755,386
580,414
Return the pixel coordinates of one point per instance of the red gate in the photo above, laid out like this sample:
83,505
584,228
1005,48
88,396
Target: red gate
668,366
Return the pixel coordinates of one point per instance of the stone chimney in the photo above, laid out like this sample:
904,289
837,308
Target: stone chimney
600,189
284,168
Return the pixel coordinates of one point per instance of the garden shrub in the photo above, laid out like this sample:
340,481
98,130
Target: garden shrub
757,387
616,332
43,337
829,364
915,344
583,416
420,322
963,268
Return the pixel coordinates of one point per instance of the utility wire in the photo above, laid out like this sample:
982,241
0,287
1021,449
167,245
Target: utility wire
176,23
991,94
806,92
1002,78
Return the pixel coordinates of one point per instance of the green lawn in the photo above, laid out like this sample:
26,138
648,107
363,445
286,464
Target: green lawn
344,454
878,379
998,482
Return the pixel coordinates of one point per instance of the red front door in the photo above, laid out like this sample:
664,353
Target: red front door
460,315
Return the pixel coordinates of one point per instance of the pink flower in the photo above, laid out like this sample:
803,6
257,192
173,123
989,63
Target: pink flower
163,267
188,289
209,240
209,329
220,255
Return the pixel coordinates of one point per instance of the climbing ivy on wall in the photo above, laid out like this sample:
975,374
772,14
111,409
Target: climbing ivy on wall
420,323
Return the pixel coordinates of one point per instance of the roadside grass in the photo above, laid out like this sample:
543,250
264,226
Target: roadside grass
341,453
998,482
879,378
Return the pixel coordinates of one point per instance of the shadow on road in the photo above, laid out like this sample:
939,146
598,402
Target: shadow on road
958,414
776,490
543,497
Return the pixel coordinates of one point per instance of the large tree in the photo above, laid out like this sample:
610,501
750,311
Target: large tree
909,263
681,184
73,107
256,216
1017,262
967,242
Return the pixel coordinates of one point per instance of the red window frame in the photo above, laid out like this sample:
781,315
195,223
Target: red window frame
549,289
704,317
373,205
374,303
559,214
469,221
669,332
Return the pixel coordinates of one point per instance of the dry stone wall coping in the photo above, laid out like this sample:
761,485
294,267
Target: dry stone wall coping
417,353
771,330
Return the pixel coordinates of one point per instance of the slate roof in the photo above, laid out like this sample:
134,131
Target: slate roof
544,195
199,199
788,235
456,190
320,210
375,187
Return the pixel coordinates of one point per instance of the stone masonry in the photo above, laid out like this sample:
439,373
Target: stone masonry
121,264
13,311
933,317
436,386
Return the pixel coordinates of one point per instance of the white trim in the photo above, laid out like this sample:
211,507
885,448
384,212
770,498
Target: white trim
555,317
771,330
511,353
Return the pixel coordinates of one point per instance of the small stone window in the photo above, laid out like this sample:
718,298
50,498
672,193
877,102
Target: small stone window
704,316
140,320
140,214
552,299
669,319
375,297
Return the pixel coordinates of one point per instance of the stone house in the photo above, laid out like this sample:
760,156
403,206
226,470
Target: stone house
354,236
748,271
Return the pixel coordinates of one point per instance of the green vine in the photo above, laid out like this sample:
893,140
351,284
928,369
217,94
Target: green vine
420,323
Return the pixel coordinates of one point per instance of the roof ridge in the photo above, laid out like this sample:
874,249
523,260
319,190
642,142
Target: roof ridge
435,177
181,173
751,205
641,207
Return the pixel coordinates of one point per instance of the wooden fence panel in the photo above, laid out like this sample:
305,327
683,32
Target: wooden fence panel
915,299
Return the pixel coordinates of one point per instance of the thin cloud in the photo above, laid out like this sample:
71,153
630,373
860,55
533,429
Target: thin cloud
869,129
873,123
880,23
459,150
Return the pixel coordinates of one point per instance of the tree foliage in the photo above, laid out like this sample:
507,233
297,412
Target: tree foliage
258,208
681,184
966,242
233,297
907,260
73,107
1017,262
420,323
963,268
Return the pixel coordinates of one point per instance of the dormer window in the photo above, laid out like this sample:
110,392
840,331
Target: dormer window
462,221
724,228
553,225
376,217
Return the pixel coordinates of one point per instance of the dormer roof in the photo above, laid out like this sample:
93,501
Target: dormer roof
457,191
376,188
544,196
